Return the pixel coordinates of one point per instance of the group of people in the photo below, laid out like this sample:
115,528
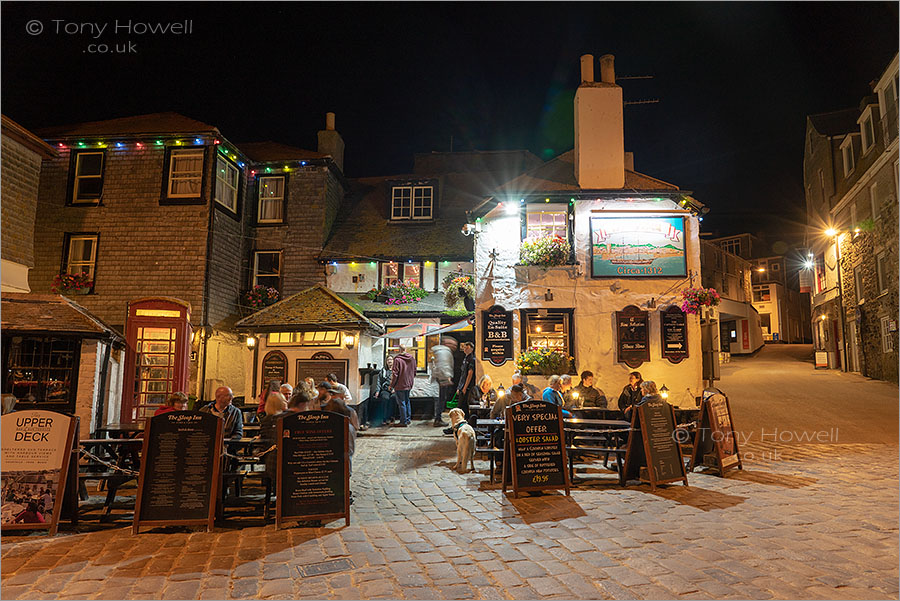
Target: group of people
37,503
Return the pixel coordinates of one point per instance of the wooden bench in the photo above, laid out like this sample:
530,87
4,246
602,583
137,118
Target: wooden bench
588,441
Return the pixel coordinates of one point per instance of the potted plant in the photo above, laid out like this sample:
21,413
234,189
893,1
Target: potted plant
545,251
79,283
696,298
399,293
543,361
259,297
458,289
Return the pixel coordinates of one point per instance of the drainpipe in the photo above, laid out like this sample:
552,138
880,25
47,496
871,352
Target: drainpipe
204,323
101,393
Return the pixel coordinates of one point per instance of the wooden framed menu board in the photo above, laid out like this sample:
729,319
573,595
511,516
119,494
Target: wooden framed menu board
180,467
632,336
36,455
653,454
313,474
497,337
673,331
715,444
536,448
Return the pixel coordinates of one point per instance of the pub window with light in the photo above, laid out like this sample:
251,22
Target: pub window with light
394,272
330,338
548,329
227,183
271,199
185,174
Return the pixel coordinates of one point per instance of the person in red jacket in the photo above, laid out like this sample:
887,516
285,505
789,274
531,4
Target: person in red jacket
402,375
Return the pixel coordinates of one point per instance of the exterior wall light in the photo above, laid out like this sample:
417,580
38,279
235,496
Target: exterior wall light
664,392
349,341
501,392
548,296
251,341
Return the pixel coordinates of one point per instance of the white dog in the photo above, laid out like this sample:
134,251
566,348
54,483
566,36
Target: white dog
465,441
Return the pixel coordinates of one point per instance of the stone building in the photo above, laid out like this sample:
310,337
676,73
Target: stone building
851,180
634,244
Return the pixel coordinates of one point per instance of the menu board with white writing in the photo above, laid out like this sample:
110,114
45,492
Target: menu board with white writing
632,336
179,469
313,467
673,329
497,339
536,446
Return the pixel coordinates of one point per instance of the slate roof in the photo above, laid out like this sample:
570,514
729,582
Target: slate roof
26,138
836,123
264,152
50,313
153,123
430,306
313,308
558,174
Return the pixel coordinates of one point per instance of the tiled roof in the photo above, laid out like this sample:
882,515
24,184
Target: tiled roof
432,305
836,123
154,123
314,308
263,152
50,313
559,175
26,138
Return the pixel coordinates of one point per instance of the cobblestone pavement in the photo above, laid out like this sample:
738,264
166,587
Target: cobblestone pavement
809,521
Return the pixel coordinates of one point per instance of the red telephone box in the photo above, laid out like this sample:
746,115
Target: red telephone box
157,361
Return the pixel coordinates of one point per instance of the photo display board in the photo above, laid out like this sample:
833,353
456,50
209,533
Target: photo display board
318,369
536,447
313,474
274,367
180,470
715,444
637,247
653,454
632,336
673,331
497,336
36,454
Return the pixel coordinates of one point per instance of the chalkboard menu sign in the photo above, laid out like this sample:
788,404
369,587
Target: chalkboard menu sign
180,468
313,467
36,455
715,444
673,329
535,444
497,338
318,369
653,454
632,336
274,367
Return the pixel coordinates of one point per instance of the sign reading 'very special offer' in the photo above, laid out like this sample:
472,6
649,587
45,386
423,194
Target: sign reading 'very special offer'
634,247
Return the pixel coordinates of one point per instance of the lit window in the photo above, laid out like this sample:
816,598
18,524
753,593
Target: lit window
185,173
321,338
412,202
87,182
267,269
551,329
81,254
227,178
271,200
887,341
42,370
419,347
761,294
394,272
547,223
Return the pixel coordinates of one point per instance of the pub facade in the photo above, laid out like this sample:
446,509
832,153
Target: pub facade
622,245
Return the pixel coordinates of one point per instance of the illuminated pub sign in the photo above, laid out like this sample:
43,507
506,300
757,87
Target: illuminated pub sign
627,247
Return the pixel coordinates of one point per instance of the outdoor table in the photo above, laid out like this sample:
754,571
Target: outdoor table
122,430
243,463
123,453
492,425
479,412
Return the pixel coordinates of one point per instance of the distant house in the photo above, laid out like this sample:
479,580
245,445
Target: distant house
739,321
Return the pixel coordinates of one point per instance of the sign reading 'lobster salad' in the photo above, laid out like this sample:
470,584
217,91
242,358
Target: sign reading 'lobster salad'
624,247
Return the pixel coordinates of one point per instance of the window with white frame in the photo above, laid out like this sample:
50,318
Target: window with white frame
81,254
761,294
847,154
185,173
881,267
887,341
419,347
271,199
267,268
87,184
551,222
393,272
867,131
227,182
322,338
550,328
412,202
873,199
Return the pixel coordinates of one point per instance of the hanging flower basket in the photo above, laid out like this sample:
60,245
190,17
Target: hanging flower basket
458,289
544,362
259,297
545,251
696,298
76,283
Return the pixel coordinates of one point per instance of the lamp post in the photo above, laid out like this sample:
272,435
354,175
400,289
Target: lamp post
836,236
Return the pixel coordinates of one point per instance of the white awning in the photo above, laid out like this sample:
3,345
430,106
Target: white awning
425,329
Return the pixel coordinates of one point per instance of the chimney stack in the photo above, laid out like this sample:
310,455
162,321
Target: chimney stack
331,143
599,130
629,161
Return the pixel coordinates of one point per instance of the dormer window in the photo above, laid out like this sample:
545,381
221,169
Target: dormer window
412,202
867,130
847,154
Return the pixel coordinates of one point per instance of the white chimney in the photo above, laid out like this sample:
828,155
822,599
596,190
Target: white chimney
331,142
599,131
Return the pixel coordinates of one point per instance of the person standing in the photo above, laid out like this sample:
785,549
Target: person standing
442,373
403,375
465,390
386,399
274,386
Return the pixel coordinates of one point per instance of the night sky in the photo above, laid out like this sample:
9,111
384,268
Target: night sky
735,81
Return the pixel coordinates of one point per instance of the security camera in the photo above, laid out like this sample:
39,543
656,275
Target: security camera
468,229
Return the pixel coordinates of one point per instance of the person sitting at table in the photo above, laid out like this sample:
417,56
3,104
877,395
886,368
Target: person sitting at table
531,391
649,393
274,386
554,391
30,515
222,407
585,395
304,399
515,394
177,401
276,406
286,390
631,394
487,396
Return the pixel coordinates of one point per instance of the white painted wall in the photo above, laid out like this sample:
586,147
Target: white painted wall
341,277
594,300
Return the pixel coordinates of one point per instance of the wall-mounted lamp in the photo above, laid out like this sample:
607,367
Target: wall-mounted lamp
501,392
664,392
251,341
349,341
761,269
651,304
548,296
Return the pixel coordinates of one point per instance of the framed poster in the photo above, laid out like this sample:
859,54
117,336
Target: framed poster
497,337
36,451
632,336
274,367
637,247
317,369
673,331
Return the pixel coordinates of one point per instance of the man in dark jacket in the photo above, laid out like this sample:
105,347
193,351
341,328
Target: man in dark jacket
402,378
222,407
